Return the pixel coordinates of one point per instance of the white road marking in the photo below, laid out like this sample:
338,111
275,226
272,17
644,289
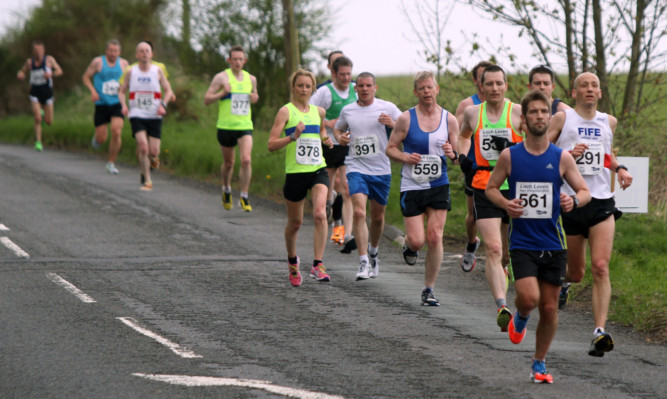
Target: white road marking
3,227
176,348
71,288
14,248
201,381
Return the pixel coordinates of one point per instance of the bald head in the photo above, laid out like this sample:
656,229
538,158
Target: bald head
586,76
144,52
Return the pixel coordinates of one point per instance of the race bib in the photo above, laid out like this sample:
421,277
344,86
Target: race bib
37,77
110,87
428,169
536,198
486,145
144,101
591,161
240,104
308,151
365,146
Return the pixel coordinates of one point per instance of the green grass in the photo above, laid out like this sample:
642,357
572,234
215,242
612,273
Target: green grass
190,149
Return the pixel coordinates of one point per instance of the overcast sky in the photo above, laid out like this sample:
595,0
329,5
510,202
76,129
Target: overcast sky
376,35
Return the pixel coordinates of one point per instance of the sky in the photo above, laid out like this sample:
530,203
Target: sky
373,33
376,35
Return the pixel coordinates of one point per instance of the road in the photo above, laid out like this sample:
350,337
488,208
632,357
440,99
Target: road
107,291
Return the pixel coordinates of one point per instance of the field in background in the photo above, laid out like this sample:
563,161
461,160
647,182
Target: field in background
190,149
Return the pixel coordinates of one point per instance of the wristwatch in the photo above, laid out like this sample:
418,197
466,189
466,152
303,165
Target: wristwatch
576,200
621,167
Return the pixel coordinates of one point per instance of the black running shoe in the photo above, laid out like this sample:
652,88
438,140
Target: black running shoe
409,255
428,299
603,342
564,295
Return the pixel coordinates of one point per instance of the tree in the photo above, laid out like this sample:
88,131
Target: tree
258,26
291,37
633,27
428,20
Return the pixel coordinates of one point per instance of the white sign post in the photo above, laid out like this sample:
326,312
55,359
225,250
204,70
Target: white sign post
634,199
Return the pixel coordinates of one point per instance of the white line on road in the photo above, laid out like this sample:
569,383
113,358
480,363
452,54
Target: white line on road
201,381
3,227
14,248
164,341
71,288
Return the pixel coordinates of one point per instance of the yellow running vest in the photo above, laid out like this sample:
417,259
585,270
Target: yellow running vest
234,111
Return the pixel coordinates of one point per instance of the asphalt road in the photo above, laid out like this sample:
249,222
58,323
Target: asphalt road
107,292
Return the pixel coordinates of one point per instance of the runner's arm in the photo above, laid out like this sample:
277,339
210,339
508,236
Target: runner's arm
275,141
93,68
570,173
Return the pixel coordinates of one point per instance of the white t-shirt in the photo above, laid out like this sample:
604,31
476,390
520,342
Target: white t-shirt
368,137
598,135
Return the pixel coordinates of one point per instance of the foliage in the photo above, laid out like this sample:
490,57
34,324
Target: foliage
257,25
73,31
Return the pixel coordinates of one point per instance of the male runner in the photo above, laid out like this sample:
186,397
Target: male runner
146,83
469,256
536,169
589,134
492,126
428,134
542,78
362,127
333,97
235,89
42,69
101,77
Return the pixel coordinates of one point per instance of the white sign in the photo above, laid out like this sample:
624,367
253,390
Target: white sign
634,199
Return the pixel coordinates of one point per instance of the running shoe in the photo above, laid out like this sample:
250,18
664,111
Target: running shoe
245,204
375,266
111,168
38,146
564,295
94,143
338,234
504,318
409,255
142,178
155,162
294,274
349,245
603,342
227,200
319,273
148,186
428,299
469,258
515,337
364,269
539,373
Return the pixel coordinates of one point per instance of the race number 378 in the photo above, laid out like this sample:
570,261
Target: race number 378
308,151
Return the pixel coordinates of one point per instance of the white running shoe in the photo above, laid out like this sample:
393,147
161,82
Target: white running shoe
111,168
364,269
470,258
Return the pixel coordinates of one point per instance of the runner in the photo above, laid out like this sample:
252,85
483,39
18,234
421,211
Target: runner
428,135
305,169
42,69
469,256
330,59
235,89
146,83
364,125
536,169
542,78
333,97
101,77
589,134
493,126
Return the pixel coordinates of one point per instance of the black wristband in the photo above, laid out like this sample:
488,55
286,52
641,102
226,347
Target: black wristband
456,156
621,167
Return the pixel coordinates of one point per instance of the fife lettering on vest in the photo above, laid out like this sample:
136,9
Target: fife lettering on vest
589,132
144,79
